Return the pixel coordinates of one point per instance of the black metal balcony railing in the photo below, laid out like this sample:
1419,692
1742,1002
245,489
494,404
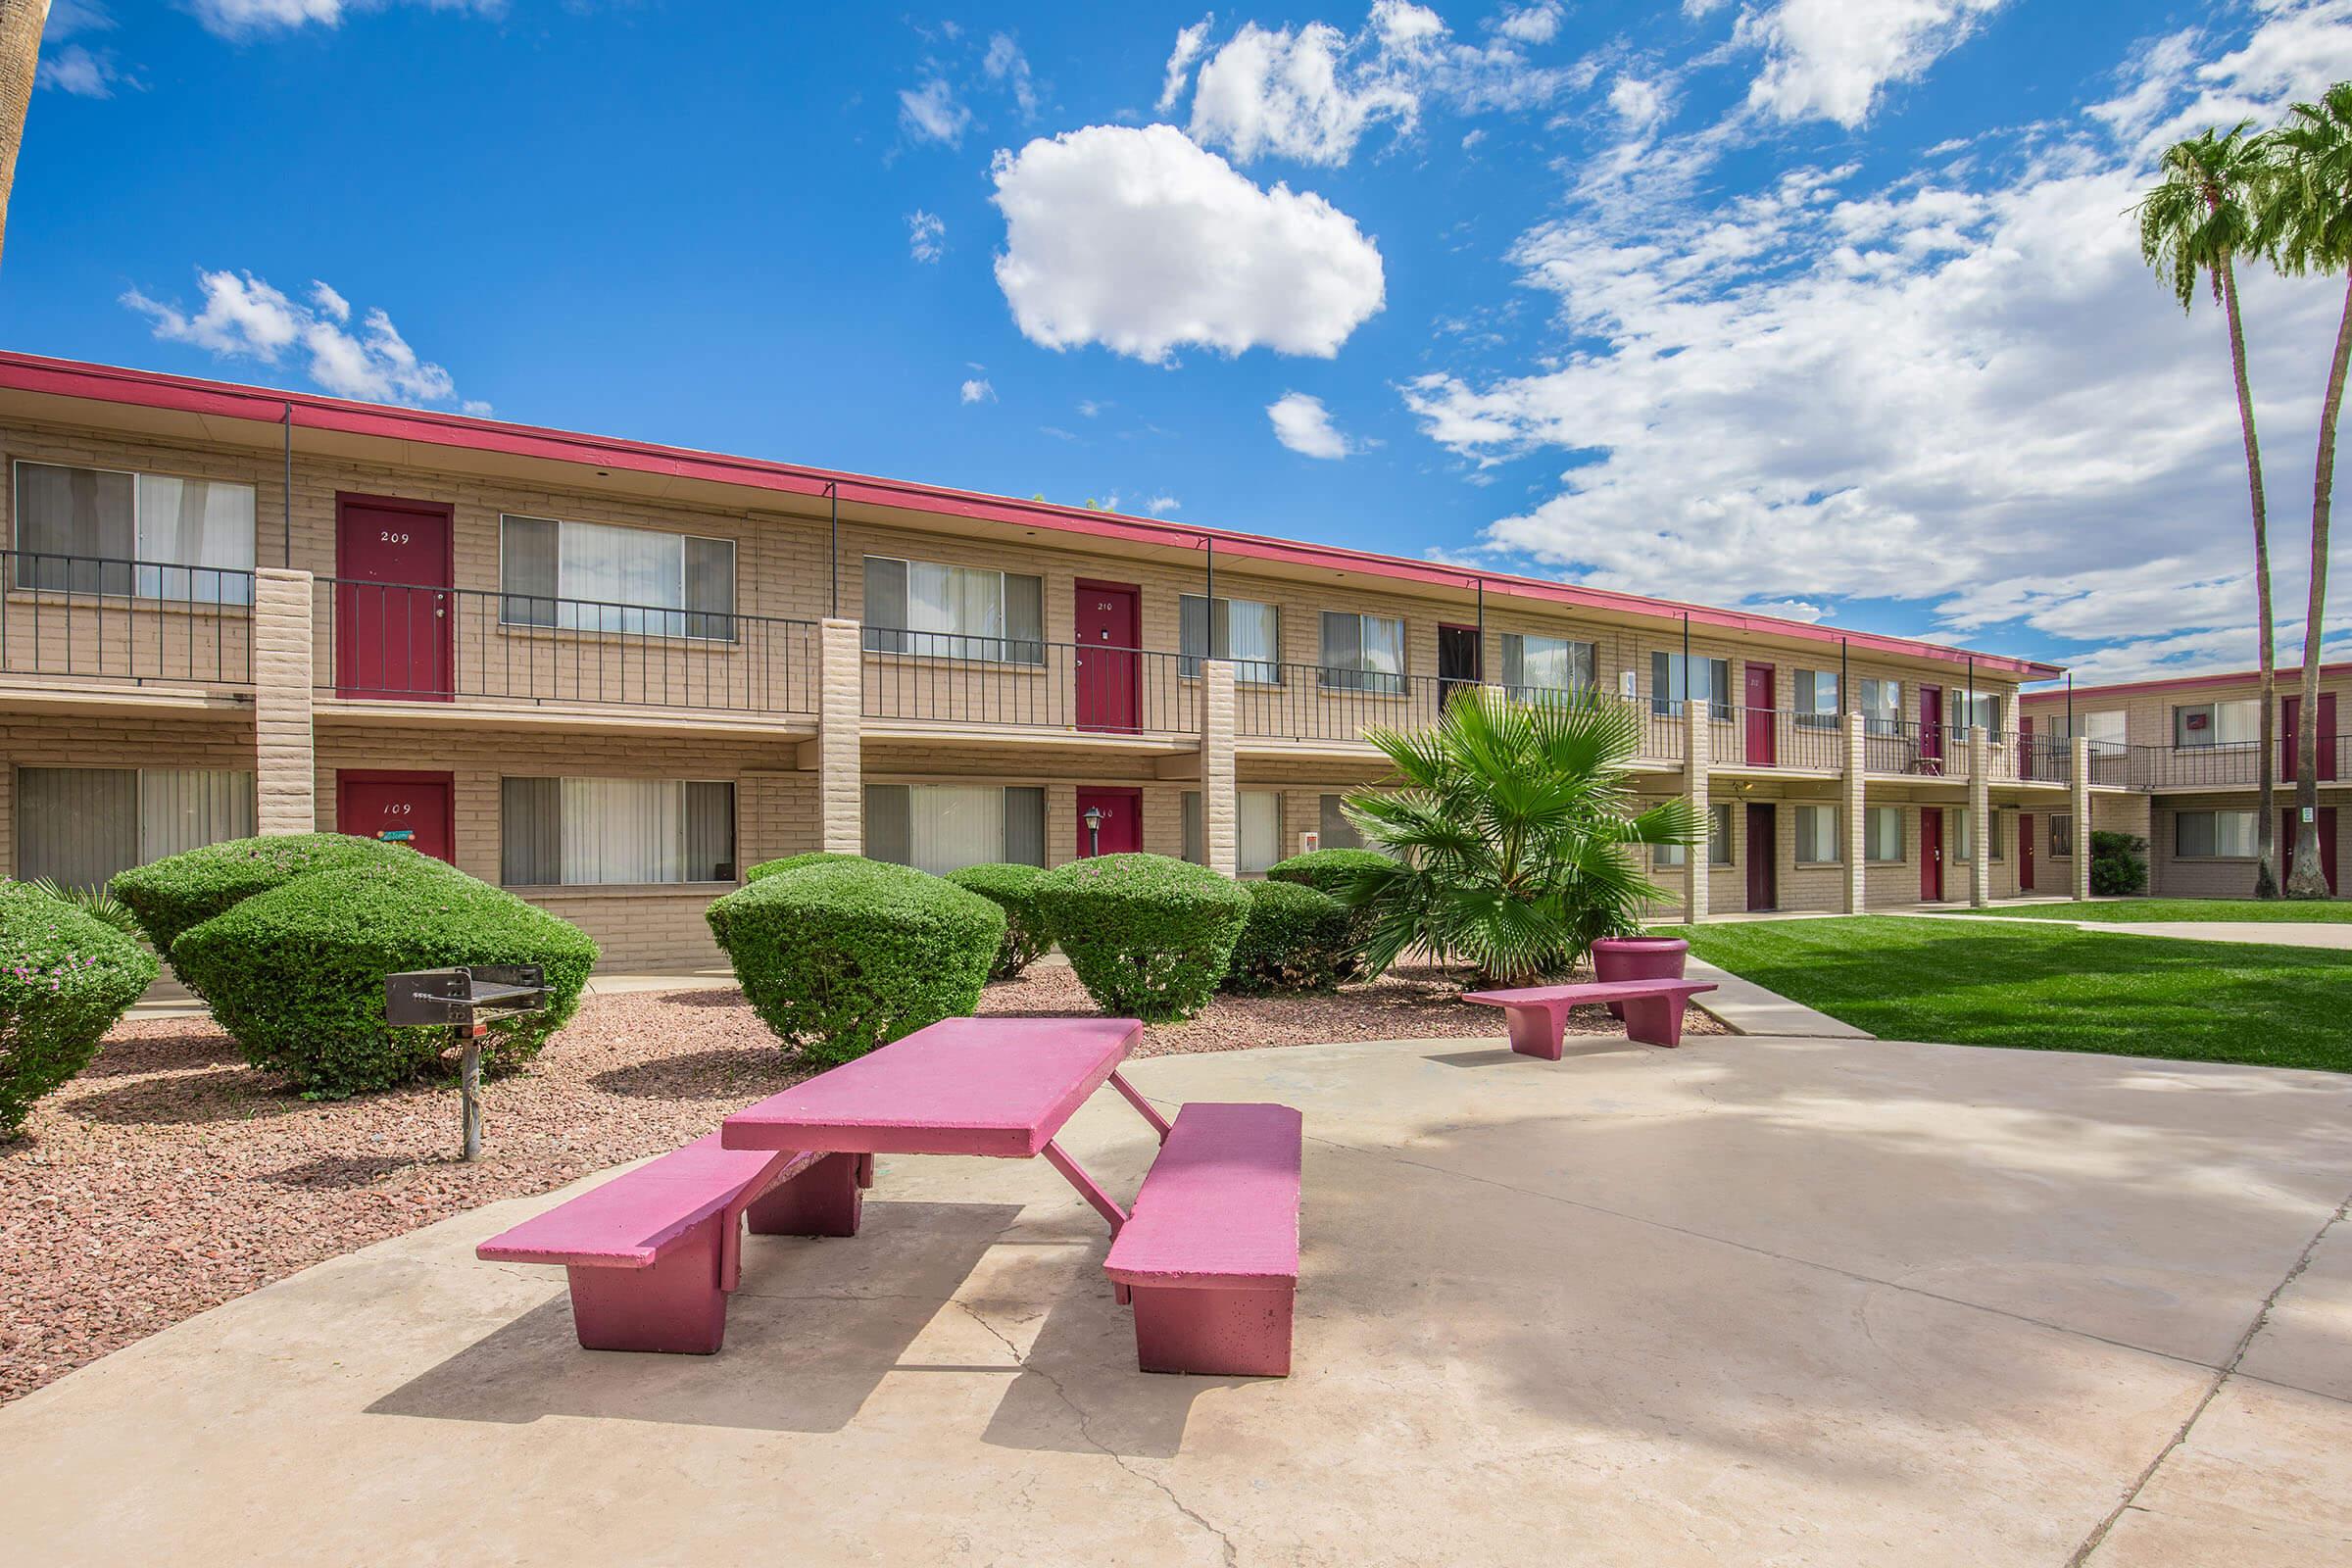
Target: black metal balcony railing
1312,702
100,618
409,642
931,677
1776,737
2234,765
2045,759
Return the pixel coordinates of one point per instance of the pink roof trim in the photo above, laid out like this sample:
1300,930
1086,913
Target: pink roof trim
105,383
2180,683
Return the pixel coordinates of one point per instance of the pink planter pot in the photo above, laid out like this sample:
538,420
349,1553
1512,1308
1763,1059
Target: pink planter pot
1637,958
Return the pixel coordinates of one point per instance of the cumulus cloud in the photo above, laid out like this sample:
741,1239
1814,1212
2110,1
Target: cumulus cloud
1636,102
1188,44
244,318
1140,240
926,235
1303,424
1310,93
1832,59
235,19
1536,24
1925,389
977,390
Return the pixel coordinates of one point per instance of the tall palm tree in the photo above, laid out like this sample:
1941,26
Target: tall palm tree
2193,226
21,25
1516,839
2307,226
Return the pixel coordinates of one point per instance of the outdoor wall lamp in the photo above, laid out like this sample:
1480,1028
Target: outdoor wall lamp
1094,831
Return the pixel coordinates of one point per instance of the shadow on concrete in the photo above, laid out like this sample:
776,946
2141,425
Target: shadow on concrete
815,1330
1504,1055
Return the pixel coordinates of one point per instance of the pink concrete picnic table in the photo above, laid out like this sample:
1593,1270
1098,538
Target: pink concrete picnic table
996,1087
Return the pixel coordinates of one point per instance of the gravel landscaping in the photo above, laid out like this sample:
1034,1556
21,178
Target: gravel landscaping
170,1176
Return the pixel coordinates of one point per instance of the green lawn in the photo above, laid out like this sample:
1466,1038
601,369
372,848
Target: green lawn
2052,987
2329,909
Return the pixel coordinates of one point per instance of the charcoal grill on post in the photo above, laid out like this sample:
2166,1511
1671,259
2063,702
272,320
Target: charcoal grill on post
467,1000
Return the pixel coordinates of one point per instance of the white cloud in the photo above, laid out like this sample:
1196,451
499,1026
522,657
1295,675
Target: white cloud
926,235
931,112
1303,424
69,17
1188,44
78,70
234,19
1968,394
1831,59
1159,506
1637,103
1536,24
1138,240
1313,92
977,390
245,317
1009,68
1088,408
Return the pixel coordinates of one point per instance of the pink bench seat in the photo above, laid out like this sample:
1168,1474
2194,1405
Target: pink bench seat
1210,1254
652,1254
1539,1014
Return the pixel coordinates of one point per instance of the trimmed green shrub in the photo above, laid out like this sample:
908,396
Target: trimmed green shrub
839,959
793,862
1296,939
1331,871
2119,865
169,896
296,974
1013,889
64,978
1149,937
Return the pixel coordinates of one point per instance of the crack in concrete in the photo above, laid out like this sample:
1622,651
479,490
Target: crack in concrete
2222,1375
1232,1552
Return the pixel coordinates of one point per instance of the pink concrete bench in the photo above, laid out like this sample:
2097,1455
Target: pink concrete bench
1209,1252
1539,1014
653,1255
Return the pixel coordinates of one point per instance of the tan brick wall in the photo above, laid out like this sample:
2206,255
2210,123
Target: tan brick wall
2176,877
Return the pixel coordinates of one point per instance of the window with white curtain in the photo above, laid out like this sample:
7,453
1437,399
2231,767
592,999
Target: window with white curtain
1970,709
600,576
2204,835
1883,834
1965,828
1817,836
2062,837
945,612
1243,630
1675,680
1882,705
591,832
1532,664
1814,698
80,825
1719,841
945,827
2230,723
153,535
1260,812
1362,653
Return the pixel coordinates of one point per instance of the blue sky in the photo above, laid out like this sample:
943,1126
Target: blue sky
1827,307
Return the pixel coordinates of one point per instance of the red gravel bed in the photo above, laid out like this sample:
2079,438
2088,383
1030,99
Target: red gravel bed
170,1177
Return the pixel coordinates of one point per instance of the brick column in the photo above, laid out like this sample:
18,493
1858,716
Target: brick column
2078,792
840,741
284,769
1980,816
1854,821
1695,742
1220,799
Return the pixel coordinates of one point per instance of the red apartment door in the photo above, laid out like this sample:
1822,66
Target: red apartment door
2290,735
1931,855
1120,823
1760,753
2025,852
1931,728
1462,661
1763,857
413,807
392,602
1108,669
2286,844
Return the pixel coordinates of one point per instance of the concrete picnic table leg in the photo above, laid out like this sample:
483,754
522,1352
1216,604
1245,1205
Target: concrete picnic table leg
676,1306
1655,1020
1536,1028
825,1199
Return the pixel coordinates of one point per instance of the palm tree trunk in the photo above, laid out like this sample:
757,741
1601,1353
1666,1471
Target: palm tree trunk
21,25
2307,880
2266,875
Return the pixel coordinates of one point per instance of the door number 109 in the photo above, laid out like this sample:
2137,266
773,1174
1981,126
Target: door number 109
398,808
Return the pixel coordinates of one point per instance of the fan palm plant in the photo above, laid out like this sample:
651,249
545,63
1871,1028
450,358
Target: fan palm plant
1516,842
2307,228
2193,226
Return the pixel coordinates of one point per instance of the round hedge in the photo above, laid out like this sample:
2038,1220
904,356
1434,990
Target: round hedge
1331,871
793,863
1149,937
296,974
169,896
64,978
1296,939
1013,889
840,958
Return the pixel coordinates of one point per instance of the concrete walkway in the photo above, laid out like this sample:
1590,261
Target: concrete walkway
1799,1301
1748,1008
2261,933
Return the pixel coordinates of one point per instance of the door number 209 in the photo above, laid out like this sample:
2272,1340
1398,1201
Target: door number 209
390,538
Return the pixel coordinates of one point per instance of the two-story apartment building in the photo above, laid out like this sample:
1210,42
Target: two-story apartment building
2178,761
609,675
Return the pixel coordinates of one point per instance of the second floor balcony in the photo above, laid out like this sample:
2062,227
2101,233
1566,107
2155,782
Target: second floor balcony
78,622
